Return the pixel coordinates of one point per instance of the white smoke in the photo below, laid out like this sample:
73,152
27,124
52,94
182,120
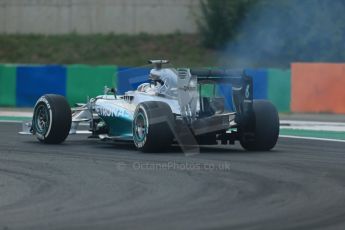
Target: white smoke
276,33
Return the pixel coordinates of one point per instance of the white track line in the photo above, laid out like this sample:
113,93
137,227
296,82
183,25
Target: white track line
15,114
313,125
319,123
315,128
312,138
12,121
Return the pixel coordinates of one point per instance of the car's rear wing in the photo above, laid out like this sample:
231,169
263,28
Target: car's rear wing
241,84
218,75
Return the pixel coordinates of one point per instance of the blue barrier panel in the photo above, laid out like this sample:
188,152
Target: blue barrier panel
129,78
225,90
260,82
34,81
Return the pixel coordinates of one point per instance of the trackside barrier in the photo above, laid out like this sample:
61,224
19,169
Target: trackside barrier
8,85
85,81
318,87
22,85
34,81
279,88
308,87
130,78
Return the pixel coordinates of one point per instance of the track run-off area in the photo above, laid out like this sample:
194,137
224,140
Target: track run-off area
90,184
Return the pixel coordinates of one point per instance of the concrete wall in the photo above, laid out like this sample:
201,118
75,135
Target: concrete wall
97,16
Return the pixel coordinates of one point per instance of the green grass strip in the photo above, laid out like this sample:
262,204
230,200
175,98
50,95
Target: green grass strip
8,118
312,133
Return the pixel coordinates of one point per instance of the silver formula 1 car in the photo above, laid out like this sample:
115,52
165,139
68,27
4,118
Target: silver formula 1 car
172,108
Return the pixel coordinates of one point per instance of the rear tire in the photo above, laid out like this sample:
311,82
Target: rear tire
52,119
266,128
151,126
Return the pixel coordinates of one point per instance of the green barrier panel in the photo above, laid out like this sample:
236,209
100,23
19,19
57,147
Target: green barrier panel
279,88
207,90
88,81
7,85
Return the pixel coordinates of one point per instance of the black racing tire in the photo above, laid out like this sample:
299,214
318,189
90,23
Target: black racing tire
152,126
266,128
52,119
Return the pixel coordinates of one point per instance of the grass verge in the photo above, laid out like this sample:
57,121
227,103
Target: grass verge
124,50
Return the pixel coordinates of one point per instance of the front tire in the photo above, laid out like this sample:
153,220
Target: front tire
52,119
152,125
266,131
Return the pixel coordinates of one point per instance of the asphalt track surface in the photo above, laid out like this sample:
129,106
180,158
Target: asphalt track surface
90,184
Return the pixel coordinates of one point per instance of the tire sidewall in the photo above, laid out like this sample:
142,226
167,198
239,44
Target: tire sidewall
140,110
266,127
45,102
159,126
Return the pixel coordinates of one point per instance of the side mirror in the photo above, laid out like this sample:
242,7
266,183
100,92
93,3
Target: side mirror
110,90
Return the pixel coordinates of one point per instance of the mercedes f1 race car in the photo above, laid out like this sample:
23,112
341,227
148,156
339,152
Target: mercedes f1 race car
171,108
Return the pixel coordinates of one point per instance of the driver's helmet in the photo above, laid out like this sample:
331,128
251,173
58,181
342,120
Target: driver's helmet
164,79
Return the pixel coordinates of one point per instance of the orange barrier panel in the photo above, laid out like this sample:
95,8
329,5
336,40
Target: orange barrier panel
318,88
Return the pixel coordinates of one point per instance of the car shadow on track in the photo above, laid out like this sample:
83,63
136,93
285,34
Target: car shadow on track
126,146
177,150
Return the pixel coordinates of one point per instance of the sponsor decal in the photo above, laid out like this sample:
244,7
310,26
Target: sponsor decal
45,101
112,112
247,93
141,143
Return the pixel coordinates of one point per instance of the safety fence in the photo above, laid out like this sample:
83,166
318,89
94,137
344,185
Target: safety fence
307,87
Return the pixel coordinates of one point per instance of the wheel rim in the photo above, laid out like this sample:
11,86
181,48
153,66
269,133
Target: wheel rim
41,119
140,127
